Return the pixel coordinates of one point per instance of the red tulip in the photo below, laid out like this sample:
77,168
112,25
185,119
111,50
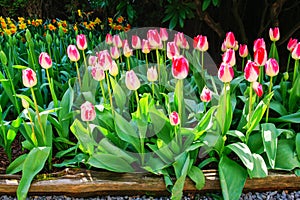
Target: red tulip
126,49
230,40
114,70
146,46
136,42
117,42
206,95
251,71
200,43
163,34
292,44
97,73
180,67
296,52
108,39
81,42
274,34
260,56
229,57
225,72
29,78
152,74
258,88
45,60
154,39
131,80
114,52
259,43
172,50
272,67
87,111
243,50
73,53
174,118
104,59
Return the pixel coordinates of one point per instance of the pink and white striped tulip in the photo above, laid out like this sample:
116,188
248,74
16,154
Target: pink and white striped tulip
108,39
104,59
272,67
92,60
172,50
229,57
259,43
260,56
73,53
152,74
97,73
201,43
114,70
126,49
136,42
230,40
296,52
163,34
88,112
243,50
251,71
180,67
29,78
257,87
146,46
274,34
114,52
225,73
206,95
174,118
116,41
292,44
131,80
81,42
154,39
45,60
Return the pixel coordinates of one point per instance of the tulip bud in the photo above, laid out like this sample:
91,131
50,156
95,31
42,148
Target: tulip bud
292,44
108,39
230,40
229,57
117,42
172,50
260,56
174,118
73,53
114,52
163,34
185,44
274,34
25,104
146,46
45,60
272,67
206,95
104,60
152,74
98,73
81,42
179,39
251,71
136,42
243,50
131,80
285,76
29,78
200,43
3,58
92,60
259,43
87,111
258,88
180,67
225,73
223,47
154,39
114,70
296,52
126,49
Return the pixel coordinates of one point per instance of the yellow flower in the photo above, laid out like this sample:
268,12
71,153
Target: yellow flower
75,28
65,30
110,20
13,26
21,19
22,26
97,21
28,22
51,27
39,22
7,31
64,23
3,24
79,13
120,19
13,30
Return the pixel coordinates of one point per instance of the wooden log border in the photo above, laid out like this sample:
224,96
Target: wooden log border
85,183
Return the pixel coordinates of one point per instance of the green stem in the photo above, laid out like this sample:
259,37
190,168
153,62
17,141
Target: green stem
295,71
146,57
225,106
78,74
250,103
270,90
288,63
179,99
128,63
158,66
103,91
33,136
243,64
202,63
84,60
51,90
109,92
141,137
152,86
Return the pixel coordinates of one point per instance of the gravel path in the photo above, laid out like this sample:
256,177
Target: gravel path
271,195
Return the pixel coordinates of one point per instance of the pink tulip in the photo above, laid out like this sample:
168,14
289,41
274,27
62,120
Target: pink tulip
92,60
258,88
225,73
136,42
126,49
230,40
98,73
163,34
180,67
251,71
201,43
259,43
172,50
108,39
29,78
296,52
73,53
114,52
131,80
174,118
104,59
272,67
223,47
260,56
154,39
114,70
274,34
243,50
292,44
25,104
146,46
236,47
179,39
229,57
152,74
206,95
185,44
45,60
81,42
117,42
87,111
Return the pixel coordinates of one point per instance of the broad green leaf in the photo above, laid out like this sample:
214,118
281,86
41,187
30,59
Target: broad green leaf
224,111
79,158
17,165
298,145
205,123
118,94
66,105
278,107
269,136
238,134
32,165
232,184
292,118
295,95
197,176
243,152
260,169
205,4
286,159
255,143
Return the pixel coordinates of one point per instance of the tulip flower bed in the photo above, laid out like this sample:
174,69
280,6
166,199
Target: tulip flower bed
150,100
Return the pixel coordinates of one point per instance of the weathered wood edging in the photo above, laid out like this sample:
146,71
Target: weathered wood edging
84,183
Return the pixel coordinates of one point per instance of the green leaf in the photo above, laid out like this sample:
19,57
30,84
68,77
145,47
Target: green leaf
238,134
292,118
197,176
173,22
294,95
205,123
17,165
243,152
33,164
224,111
286,159
298,145
118,94
260,169
232,185
269,136
205,4
79,158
